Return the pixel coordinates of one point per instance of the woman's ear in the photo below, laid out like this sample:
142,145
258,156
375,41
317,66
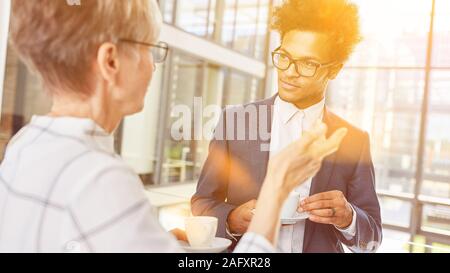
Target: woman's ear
334,71
108,62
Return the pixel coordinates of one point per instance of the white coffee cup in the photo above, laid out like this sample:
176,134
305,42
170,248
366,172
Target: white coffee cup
291,204
201,230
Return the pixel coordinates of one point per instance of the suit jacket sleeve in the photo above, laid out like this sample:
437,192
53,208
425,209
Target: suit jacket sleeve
212,187
361,193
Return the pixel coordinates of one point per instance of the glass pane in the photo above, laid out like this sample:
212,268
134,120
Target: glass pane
212,18
441,46
246,25
212,96
228,23
191,78
140,132
395,33
395,212
262,29
387,104
400,242
394,242
436,219
23,97
186,83
193,16
167,8
242,89
437,151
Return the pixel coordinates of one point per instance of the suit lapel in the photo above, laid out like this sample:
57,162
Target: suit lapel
262,148
322,179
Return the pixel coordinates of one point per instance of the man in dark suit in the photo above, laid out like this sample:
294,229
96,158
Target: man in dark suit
318,36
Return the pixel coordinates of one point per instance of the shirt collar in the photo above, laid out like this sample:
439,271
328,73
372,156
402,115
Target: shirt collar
288,110
82,129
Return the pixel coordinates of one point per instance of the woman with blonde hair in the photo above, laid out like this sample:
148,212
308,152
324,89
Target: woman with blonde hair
61,183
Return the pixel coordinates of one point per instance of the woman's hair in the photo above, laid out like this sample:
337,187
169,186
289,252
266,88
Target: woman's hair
338,19
59,39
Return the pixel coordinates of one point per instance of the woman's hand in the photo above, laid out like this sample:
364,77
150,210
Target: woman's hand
287,170
302,159
179,234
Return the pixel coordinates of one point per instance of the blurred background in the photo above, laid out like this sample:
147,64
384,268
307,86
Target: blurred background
396,86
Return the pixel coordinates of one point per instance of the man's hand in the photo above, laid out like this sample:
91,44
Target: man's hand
328,208
239,218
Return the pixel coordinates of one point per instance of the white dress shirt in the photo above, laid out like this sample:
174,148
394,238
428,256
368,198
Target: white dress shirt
288,124
63,189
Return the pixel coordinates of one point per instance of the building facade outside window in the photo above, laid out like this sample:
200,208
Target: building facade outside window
396,86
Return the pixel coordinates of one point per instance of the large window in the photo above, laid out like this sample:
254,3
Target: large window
192,84
387,103
148,142
395,33
194,16
436,163
180,157
384,89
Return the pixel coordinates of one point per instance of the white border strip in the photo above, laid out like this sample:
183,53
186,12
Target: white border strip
210,51
5,6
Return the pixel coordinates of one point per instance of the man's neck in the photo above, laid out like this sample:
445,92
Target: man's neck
306,103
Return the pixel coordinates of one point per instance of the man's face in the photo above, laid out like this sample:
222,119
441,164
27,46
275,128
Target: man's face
307,46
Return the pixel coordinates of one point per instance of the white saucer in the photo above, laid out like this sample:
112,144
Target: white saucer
218,246
293,220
